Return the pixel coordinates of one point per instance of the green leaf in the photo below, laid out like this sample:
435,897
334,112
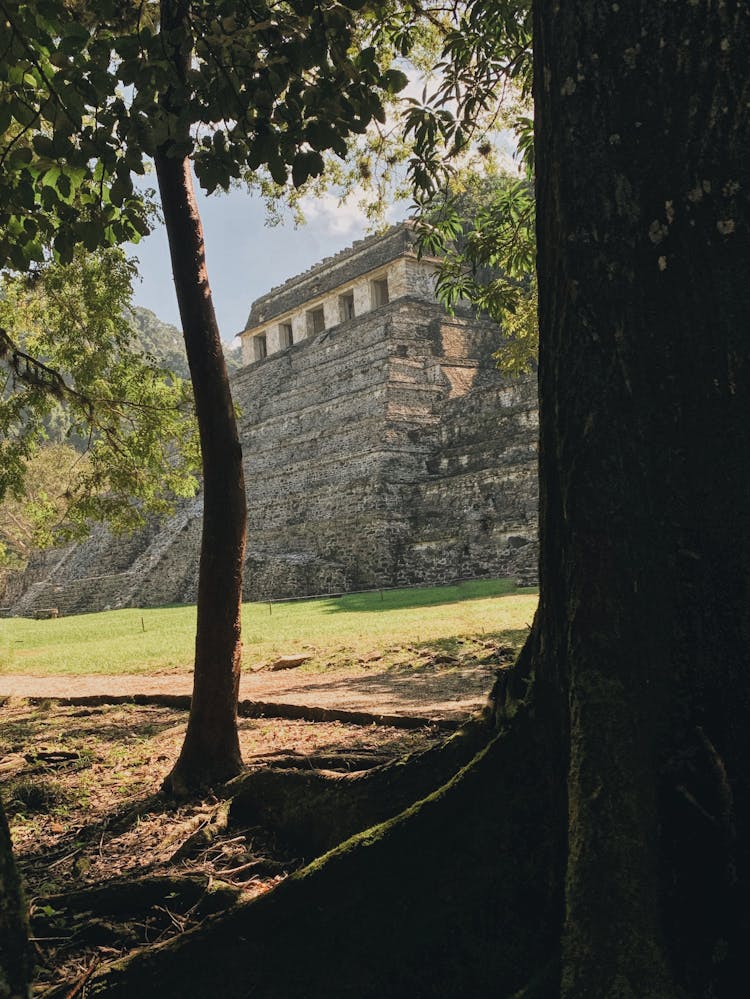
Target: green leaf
24,113
306,165
65,187
278,169
394,81
118,192
50,177
19,156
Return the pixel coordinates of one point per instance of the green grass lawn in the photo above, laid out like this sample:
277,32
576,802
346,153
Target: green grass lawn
334,632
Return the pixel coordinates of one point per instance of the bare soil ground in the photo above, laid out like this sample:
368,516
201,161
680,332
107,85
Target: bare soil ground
430,694
425,683
81,783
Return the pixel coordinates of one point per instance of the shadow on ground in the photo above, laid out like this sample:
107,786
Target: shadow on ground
377,601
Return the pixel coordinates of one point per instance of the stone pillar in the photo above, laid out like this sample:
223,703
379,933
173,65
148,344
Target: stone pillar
247,349
273,339
397,279
299,326
420,278
362,299
331,311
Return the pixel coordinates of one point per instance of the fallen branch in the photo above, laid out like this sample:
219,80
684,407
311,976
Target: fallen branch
123,898
77,988
262,709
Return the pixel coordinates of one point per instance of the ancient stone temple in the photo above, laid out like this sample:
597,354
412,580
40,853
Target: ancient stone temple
381,447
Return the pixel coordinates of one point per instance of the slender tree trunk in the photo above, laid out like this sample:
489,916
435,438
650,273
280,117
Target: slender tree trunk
211,750
643,137
15,958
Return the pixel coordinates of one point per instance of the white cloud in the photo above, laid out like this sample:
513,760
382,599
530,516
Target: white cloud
337,217
342,217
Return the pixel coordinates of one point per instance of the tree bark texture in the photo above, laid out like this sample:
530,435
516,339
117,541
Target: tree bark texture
211,750
643,136
15,956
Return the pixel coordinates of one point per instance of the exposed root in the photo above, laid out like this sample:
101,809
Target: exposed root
453,897
127,898
261,709
311,811
75,930
512,684
210,827
345,761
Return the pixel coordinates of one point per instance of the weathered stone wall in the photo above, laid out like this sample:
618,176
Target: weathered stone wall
350,284
385,451
372,455
347,266
157,565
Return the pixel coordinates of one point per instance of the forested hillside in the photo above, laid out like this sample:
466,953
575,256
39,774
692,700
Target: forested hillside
164,341
32,519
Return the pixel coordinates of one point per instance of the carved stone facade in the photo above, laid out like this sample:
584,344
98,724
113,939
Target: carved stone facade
381,448
360,280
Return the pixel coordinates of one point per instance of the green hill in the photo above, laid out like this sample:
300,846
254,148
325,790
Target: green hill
164,342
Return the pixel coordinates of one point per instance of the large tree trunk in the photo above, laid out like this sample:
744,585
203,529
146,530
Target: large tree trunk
211,751
15,957
604,834
643,136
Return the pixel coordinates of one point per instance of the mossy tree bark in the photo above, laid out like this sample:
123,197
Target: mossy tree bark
643,134
211,752
604,834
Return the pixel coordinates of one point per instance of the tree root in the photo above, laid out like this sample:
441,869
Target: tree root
453,897
311,812
210,827
343,760
123,899
125,914
261,709
511,686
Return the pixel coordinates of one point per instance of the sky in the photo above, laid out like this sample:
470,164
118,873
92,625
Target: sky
245,257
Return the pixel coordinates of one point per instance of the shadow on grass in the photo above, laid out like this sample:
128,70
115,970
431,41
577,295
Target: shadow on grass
430,596
508,644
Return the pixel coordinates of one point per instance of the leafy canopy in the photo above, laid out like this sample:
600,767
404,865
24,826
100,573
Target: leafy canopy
72,369
30,519
483,229
480,221
58,156
87,96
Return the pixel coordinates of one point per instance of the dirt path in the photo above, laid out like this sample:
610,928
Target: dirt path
434,692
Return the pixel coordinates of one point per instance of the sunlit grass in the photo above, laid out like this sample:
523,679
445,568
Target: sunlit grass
334,631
